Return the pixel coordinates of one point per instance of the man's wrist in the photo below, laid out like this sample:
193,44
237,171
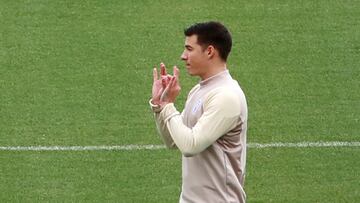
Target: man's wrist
156,105
155,101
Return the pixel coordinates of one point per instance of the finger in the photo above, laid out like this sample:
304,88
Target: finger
163,82
155,74
163,69
176,72
169,78
174,83
164,94
171,83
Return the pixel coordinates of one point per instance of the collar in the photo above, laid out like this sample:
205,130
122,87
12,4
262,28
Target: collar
223,75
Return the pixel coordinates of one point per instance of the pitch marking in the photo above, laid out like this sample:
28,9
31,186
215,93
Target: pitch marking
157,147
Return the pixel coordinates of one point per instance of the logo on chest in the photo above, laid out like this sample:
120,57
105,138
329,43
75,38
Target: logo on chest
197,106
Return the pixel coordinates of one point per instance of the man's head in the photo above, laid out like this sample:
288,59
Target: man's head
205,43
212,33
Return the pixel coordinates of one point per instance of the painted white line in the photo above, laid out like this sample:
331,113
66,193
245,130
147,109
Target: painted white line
82,148
156,147
303,144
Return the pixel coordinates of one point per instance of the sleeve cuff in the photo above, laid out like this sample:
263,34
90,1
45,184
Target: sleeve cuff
168,112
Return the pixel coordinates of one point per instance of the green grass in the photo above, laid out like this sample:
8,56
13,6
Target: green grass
79,73
274,175
90,176
303,175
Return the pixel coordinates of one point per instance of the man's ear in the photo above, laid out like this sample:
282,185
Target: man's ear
210,51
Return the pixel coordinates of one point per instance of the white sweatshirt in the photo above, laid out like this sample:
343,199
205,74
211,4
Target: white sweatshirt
211,134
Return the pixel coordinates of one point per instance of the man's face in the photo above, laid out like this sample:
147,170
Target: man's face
194,56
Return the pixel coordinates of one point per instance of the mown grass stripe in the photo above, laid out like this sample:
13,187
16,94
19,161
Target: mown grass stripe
156,147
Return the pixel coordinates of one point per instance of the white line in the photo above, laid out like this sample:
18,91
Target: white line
82,148
304,144
156,147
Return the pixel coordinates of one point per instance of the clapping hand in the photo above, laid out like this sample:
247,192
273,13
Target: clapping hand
166,88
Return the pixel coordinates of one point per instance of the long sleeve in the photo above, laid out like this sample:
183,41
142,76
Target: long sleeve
221,114
163,131
161,127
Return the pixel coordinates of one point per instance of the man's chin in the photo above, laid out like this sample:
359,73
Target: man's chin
189,72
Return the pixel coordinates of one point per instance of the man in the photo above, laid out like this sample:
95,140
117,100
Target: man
211,130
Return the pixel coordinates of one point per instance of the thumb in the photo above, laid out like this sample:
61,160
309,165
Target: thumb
176,72
155,74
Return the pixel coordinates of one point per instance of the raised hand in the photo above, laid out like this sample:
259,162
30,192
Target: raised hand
166,87
159,84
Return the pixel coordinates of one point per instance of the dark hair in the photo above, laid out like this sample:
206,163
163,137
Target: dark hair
212,33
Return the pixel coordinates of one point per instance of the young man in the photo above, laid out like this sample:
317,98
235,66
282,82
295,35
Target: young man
211,130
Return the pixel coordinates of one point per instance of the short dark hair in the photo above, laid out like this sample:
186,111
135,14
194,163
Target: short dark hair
212,33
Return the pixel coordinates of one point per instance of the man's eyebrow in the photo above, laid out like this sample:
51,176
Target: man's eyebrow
188,46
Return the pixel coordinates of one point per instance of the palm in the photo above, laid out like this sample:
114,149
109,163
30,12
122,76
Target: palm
156,90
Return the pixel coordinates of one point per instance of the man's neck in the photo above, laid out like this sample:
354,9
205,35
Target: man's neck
213,70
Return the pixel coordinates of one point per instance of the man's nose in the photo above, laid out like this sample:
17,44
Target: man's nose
183,56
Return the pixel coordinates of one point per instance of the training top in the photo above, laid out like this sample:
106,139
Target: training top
211,134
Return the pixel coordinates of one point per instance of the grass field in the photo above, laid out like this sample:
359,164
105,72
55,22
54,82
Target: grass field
79,73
